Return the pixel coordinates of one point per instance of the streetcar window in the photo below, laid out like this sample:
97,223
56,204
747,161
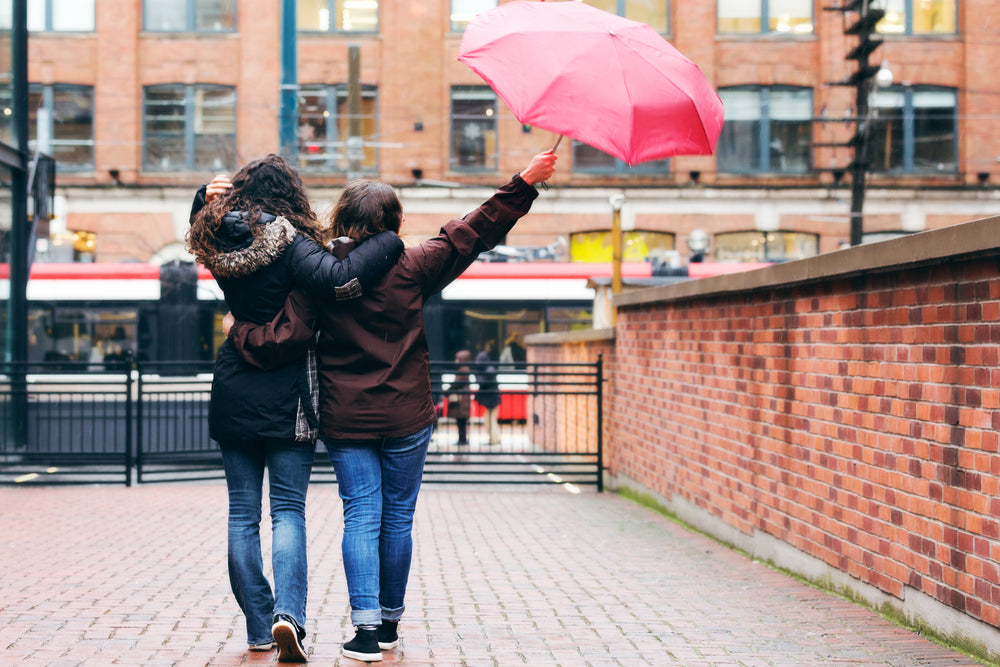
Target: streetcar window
81,334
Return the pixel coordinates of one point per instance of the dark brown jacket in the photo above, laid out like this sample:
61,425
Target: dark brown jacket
374,366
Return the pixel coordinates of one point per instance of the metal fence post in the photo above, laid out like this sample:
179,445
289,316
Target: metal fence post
600,422
138,424
128,425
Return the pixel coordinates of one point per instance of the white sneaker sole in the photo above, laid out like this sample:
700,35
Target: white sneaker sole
363,657
385,646
286,637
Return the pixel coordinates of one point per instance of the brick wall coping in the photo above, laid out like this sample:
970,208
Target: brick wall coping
580,336
976,238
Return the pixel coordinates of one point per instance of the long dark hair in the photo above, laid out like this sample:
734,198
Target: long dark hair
268,185
364,209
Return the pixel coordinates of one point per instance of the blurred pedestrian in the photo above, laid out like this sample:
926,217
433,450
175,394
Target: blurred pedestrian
513,351
459,397
488,392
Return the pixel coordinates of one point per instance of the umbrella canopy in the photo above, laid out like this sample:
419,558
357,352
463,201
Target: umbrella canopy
607,81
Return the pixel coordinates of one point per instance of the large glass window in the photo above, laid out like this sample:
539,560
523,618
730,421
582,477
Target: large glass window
637,245
473,128
61,124
463,11
54,15
337,15
189,127
914,129
918,17
765,16
766,130
189,15
589,160
325,142
652,12
764,246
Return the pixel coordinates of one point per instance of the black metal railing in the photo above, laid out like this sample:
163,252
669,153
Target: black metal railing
81,423
65,423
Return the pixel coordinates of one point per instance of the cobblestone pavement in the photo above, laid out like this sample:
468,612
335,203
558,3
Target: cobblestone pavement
137,576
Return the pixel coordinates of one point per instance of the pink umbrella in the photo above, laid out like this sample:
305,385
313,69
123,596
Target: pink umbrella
609,82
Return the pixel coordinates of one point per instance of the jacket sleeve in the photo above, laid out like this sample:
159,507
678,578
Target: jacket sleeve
438,261
323,275
198,203
282,341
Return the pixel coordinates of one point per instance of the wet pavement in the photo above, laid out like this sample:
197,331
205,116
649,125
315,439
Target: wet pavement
113,575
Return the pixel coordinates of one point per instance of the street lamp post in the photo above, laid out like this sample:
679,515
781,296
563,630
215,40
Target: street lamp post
616,201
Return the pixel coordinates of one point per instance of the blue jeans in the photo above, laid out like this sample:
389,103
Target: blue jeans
289,465
378,480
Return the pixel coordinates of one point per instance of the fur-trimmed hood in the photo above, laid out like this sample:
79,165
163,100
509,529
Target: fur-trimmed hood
240,252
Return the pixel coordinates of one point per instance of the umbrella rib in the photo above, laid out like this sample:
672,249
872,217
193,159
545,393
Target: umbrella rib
619,43
694,104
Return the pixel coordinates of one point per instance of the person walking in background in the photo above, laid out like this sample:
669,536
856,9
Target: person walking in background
488,393
459,397
377,413
258,236
513,351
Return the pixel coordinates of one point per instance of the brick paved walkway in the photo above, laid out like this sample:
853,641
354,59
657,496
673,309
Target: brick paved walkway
137,576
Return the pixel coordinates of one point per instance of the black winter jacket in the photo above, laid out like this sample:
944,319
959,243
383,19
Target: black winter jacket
256,276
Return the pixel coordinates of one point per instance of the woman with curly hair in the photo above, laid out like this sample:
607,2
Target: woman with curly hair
259,237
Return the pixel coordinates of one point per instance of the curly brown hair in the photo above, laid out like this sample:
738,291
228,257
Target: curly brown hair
268,185
365,208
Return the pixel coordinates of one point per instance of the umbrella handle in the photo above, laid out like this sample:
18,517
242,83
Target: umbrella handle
543,184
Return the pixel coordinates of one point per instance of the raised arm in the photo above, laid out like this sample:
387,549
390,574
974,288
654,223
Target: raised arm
444,257
324,276
282,341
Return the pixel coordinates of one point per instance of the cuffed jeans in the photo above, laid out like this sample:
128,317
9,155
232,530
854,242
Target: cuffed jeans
289,465
378,481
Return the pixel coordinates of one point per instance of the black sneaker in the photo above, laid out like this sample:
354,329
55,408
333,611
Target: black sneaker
387,636
364,646
288,636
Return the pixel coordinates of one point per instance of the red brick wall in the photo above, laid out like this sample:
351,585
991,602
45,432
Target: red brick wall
846,408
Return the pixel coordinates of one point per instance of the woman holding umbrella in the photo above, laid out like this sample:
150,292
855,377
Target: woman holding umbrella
376,408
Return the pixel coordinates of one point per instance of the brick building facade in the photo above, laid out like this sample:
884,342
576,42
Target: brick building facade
181,89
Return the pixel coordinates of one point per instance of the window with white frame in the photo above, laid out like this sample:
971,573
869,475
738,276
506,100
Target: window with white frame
473,128
767,129
914,129
463,11
189,127
792,17
324,129
53,15
61,124
337,15
654,13
189,15
920,17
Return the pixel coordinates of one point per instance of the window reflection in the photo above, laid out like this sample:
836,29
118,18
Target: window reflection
324,128
473,128
754,246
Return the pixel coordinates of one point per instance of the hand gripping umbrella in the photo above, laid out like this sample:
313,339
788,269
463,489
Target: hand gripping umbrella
607,81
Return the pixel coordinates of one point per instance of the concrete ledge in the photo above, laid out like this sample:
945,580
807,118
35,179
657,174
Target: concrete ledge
581,336
980,237
916,606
